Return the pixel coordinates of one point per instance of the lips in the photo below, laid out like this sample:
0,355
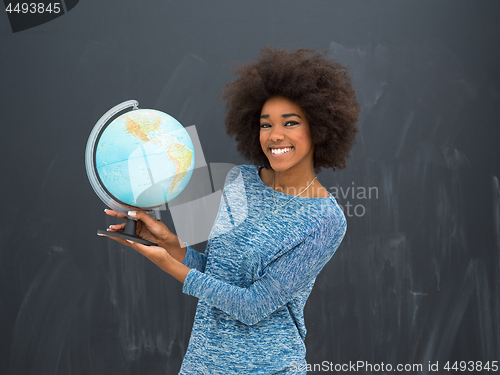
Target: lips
275,151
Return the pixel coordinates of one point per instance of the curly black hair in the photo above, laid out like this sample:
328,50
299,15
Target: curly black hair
320,86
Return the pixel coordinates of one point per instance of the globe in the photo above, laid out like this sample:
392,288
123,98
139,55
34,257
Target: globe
138,160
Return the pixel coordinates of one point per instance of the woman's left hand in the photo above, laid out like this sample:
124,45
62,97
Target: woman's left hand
161,257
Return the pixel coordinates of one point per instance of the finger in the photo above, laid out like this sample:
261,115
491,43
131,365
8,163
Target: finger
144,217
116,227
115,214
153,225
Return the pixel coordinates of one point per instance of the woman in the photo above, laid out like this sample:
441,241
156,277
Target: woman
292,114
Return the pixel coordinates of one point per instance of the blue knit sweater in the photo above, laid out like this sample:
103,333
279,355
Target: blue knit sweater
255,276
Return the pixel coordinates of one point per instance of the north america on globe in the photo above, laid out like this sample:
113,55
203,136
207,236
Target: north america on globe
144,158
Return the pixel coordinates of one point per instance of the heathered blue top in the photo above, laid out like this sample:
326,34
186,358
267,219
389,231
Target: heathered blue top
255,276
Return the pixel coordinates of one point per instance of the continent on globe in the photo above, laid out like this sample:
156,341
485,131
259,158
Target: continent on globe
142,127
182,157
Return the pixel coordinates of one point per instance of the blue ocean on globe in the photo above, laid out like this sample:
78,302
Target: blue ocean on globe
144,158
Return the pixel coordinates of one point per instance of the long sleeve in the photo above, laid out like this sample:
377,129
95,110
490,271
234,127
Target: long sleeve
279,282
194,259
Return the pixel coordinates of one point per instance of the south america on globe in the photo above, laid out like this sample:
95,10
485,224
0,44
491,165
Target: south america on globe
144,158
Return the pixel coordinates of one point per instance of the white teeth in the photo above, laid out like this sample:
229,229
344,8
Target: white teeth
279,151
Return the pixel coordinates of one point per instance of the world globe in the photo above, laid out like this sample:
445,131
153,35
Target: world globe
138,160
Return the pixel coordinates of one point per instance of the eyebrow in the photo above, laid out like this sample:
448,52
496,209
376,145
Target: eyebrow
284,115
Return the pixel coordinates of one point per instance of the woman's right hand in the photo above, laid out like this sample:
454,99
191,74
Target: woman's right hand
152,230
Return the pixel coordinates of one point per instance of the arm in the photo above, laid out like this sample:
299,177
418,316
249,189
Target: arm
281,280
162,259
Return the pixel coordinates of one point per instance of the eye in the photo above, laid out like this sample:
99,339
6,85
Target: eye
291,123
265,125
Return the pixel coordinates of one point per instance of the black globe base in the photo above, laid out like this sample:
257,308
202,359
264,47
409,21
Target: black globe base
128,233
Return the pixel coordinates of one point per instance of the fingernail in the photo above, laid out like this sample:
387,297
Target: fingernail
110,227
132,213
132,242
105,210
100,234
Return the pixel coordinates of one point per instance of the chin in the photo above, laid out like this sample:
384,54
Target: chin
280,167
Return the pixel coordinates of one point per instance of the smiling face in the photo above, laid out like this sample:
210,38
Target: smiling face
285,136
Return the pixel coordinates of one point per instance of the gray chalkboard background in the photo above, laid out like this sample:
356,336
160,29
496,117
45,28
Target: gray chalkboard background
416,279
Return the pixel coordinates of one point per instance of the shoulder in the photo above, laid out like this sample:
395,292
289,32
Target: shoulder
239,169
329,217
250,173
243,178
320,192
234,173
247,169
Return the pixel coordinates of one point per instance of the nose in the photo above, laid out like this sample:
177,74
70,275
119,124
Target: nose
276,134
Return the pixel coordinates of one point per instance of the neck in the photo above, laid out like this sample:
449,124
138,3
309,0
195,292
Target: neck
292,182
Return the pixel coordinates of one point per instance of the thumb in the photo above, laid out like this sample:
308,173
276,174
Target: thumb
144,217
156,227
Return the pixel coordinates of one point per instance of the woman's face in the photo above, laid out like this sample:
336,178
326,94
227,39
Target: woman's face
285,136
